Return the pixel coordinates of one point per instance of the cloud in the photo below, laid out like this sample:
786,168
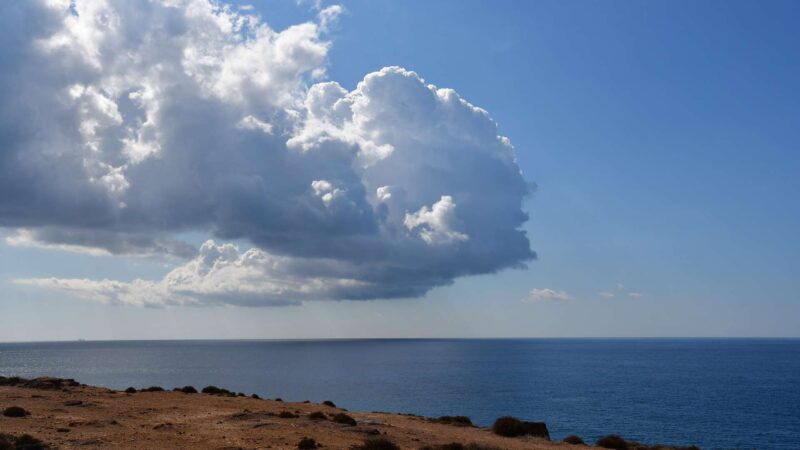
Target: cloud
537,295
100,242
219,274
124,125
435,224
621,290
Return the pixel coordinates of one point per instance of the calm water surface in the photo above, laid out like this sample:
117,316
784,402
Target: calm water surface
718,394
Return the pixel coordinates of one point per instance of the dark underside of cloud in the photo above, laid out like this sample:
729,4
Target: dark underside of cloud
124,124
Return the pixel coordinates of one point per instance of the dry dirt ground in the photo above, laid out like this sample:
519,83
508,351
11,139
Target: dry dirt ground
80,417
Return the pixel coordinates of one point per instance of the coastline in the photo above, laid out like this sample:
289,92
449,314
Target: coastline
68,415
64,414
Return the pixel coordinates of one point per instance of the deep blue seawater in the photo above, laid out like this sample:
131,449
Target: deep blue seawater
715,393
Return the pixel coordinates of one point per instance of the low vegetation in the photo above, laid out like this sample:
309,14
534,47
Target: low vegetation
574,440
614,441
24,442
344,419
153,389
47,383
15,411
459,446
287,415
186,390
617,442
329,403
461,421
512,427
213,390
376,444
130,390
317,415
307,444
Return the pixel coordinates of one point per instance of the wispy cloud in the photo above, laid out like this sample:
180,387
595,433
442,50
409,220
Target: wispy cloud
621,291
546,294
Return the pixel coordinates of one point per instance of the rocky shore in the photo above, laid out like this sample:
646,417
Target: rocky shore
57,413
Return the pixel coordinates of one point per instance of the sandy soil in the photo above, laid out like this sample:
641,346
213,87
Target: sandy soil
89,417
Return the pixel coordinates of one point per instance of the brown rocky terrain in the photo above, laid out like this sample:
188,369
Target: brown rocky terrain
66,415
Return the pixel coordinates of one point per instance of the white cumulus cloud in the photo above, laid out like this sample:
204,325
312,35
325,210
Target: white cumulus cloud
219,274
125,124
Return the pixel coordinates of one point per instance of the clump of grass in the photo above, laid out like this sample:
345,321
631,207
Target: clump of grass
24,442
376,444
512,427
213,390
459,446
186,390
153,389
130,390
461,421
574,440
15,411
255,396
318,415
329,403
344,419
307,444
278,399
287,415
613,441
617,442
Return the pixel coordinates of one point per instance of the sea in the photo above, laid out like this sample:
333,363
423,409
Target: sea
713,393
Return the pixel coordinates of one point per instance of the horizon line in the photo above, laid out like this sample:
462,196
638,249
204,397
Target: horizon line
483,338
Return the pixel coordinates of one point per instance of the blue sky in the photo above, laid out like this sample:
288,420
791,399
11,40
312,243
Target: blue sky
662,139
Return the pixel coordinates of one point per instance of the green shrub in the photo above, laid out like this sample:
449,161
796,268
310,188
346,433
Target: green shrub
511,427
153,389
130,390
255,396
317,415
344,419
213,390
329,403
24,442
613,441
463,421
574,440
15,411
458,446
377,444
307,444
187,390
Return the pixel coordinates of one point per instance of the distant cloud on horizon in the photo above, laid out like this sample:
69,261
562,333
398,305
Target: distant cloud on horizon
544,294
621,290
127,124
